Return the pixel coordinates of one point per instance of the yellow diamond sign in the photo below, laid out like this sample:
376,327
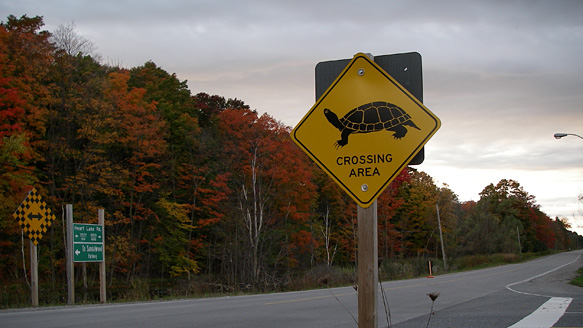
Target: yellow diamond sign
365,129
34,216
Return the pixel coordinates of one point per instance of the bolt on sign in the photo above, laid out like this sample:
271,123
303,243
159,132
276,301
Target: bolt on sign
365,129
34,216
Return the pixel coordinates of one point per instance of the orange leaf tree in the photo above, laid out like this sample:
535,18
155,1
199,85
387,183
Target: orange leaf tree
271,183
25,56
137,153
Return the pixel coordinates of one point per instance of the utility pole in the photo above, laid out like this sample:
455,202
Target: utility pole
519,247
441,238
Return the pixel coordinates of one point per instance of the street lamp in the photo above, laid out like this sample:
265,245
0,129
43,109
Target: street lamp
560,135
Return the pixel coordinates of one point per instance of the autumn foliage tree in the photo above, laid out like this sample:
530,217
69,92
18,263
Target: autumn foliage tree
270,180
14,149
25,55
389,202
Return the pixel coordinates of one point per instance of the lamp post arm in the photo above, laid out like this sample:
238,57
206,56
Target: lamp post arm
561,135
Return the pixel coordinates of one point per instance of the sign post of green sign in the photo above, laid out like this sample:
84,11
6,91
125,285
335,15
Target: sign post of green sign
87,242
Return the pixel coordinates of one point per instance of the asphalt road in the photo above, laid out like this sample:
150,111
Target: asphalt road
493,297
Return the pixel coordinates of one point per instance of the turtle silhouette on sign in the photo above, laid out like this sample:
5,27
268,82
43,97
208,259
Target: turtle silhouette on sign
371,117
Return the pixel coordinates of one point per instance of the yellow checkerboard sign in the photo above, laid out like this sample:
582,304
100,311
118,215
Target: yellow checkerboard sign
34,216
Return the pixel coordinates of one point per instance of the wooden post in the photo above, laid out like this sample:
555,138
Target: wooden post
102,283
33,274
368,269
84,275
70,267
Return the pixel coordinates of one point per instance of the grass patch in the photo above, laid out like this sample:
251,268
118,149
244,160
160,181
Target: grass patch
578,280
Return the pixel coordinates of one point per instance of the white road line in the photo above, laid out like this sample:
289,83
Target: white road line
546,315
509,286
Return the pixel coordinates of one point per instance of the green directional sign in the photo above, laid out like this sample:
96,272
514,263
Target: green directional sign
86,252
87,242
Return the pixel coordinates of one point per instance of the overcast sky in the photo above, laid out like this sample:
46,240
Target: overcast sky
503,76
